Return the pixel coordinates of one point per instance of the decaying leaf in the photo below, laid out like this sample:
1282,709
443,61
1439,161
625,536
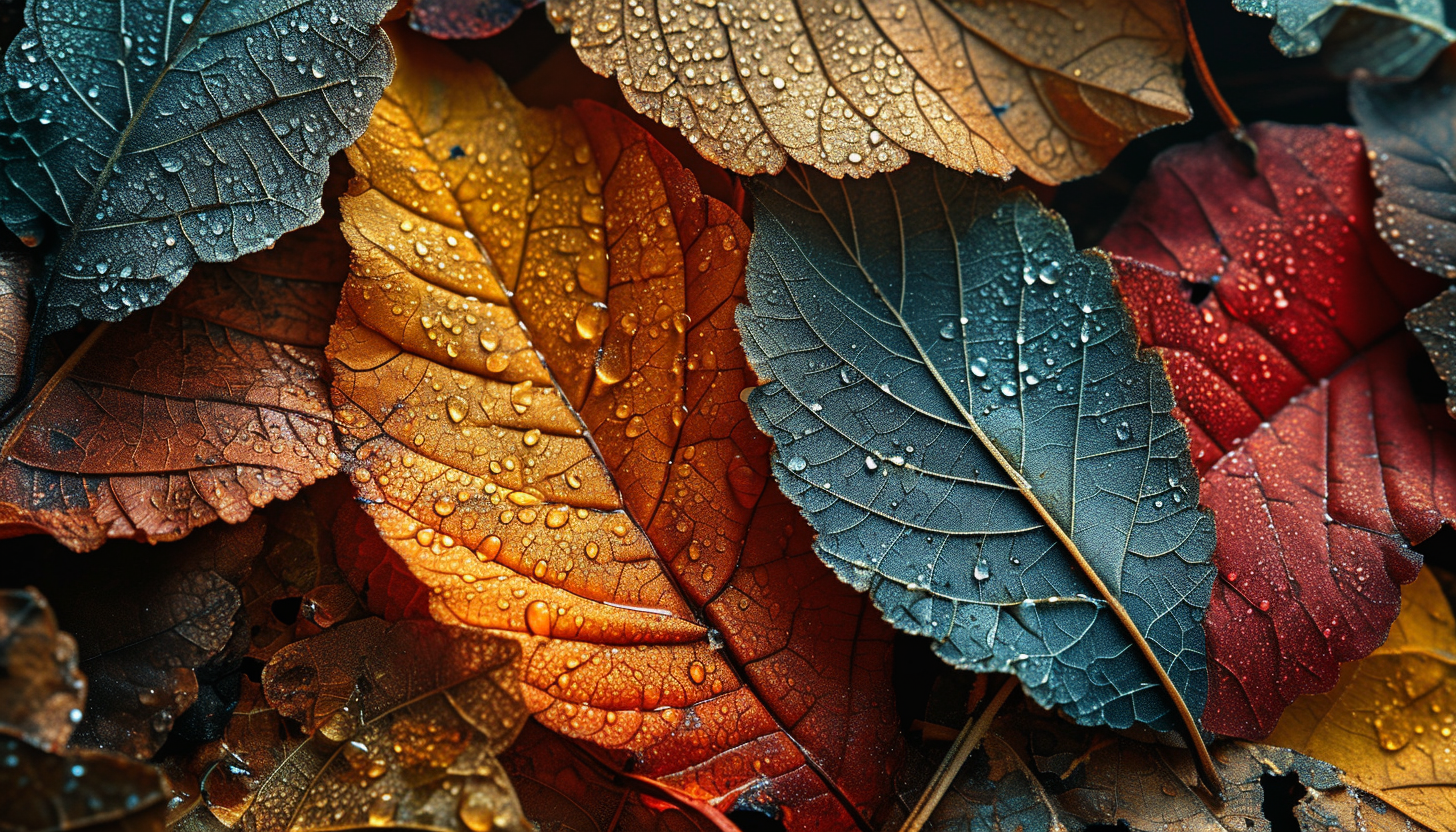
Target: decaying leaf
400,727
1389,722
146,136
1055,89
202,409
1434,323
1390,38
609,511
961,410
465,18
43,788
1410,130
1038,773
42,693
145,619
1279,321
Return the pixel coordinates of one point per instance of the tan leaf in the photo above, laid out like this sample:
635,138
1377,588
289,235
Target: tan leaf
854,86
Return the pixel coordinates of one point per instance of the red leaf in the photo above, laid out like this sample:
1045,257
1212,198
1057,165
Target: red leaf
376,571
1279,318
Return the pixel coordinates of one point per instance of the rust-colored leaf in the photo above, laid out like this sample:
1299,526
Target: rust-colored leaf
1279,319
42,693
852,88
539,379
400,725
1389,722
375,571
201,409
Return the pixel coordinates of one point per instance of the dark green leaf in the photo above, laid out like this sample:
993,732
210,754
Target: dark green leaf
1435,326
145,136
1410,129
1390,38
960,408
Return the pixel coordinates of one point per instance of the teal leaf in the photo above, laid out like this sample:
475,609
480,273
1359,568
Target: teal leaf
1389,38
961,410
1434,325
140,137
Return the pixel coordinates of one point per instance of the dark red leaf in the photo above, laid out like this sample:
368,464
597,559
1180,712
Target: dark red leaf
1278,312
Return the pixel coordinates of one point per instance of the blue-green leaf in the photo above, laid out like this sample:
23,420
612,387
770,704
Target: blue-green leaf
961,409
140,137
1389,38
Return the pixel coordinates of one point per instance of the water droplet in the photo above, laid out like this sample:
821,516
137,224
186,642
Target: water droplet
1008,389
948,332
978,367
538,618
698,673
797,463
1124,432
444,507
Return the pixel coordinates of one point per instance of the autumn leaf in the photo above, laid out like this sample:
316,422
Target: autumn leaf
200,410
373,724
609,511
146,620
43,787
1388,722
1278,312
856,87
961,410
465,18
563,786
147,136
376,572
43,692
1408,130
1390,38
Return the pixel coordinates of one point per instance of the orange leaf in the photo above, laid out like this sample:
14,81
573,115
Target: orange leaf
201,409
539,380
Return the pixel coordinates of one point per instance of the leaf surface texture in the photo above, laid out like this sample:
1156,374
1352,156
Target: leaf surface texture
1055,89
961,410
1291,373
537,372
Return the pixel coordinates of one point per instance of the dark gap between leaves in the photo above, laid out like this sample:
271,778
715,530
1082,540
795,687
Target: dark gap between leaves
1282,792
752,820
286,609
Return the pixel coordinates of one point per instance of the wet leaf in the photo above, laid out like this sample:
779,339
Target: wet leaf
465,18
400,727
1390,38
145,620
564,788
961,410
202,409
856,87
1410,129
1389,722
375,571
1038,773
1434,323
1280,324
663,593
43,788
42,690
141,138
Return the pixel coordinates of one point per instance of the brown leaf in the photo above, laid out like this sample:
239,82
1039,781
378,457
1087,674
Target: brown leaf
201,409
92,790
1055,89
401,724
612,514
145,619
41,690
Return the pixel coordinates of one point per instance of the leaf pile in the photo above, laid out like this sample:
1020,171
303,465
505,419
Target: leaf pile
677,421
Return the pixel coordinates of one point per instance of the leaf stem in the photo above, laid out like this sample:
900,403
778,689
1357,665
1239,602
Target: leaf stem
969,739
1210,89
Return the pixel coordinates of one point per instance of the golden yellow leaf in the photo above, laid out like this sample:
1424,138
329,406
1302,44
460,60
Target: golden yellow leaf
854,86
1389,723
539,383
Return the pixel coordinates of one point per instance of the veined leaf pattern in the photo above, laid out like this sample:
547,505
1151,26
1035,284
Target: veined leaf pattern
961,409
150,134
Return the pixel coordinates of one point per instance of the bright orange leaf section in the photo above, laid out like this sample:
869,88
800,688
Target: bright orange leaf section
539,380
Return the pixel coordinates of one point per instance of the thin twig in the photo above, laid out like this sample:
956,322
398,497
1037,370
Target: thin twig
969,739
1210,89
